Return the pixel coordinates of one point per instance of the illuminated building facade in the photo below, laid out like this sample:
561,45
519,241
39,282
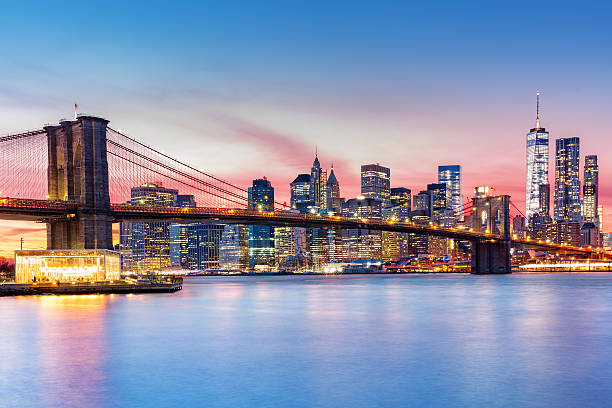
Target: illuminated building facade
333,201
537,164
451,177
300,188
195,246
590,190
72,265
362,243
376,183
439,197
148,243
234,247
567,183
261,237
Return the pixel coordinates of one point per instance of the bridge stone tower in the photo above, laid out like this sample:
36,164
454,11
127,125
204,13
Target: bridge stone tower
491,215
78,171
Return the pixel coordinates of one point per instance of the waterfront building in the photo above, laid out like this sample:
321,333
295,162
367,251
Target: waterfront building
451,176
537,164
195,246
179,245
362,243
234,247
590,190
148,242
376,183
419,243
261,237
67,266
284,246
396,245
567,183
300,190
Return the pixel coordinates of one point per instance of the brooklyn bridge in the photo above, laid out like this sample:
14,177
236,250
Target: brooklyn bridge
76,177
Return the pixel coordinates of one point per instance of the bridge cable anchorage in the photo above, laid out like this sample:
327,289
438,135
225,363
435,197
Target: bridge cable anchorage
237,193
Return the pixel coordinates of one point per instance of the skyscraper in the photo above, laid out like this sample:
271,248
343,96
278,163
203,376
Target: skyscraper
333,200
234,247
300,189
149,241
567,183
261,237
195,246
318,179
439,196
451,176
590,190
537,164
376,183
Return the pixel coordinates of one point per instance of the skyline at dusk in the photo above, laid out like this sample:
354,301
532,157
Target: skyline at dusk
267,84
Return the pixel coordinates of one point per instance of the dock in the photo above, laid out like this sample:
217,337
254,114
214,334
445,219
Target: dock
83,288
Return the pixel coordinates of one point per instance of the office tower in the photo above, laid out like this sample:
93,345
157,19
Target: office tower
179,245
451,176
300,188
590,190
402,197
439,198
195,246
318,180
284,246
149,242
544,199
184,200
362,243
234,247
375,183
333,200
567,183
261,237
422,203
537,164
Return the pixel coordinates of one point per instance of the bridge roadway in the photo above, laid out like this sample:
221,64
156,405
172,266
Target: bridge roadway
46,210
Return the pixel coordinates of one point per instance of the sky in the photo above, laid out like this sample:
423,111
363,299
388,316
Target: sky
248,89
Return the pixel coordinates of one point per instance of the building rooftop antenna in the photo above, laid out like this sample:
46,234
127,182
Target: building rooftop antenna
537,109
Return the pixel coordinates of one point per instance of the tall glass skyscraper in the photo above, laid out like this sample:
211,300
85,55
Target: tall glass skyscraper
537,164
376,183
451,176
590,190
567,182
261,237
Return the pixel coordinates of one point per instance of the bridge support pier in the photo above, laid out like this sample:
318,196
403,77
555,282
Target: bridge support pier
78,171
491,215
491,257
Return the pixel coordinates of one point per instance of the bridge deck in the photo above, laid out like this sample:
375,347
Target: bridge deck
43,210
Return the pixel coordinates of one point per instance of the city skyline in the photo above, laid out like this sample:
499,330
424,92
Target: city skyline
397,107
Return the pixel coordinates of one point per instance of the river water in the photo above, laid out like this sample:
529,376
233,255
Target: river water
521,340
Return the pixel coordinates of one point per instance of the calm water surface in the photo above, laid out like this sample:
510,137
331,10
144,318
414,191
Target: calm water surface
530,340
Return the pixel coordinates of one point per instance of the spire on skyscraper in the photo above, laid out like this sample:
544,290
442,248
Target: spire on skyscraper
537,110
